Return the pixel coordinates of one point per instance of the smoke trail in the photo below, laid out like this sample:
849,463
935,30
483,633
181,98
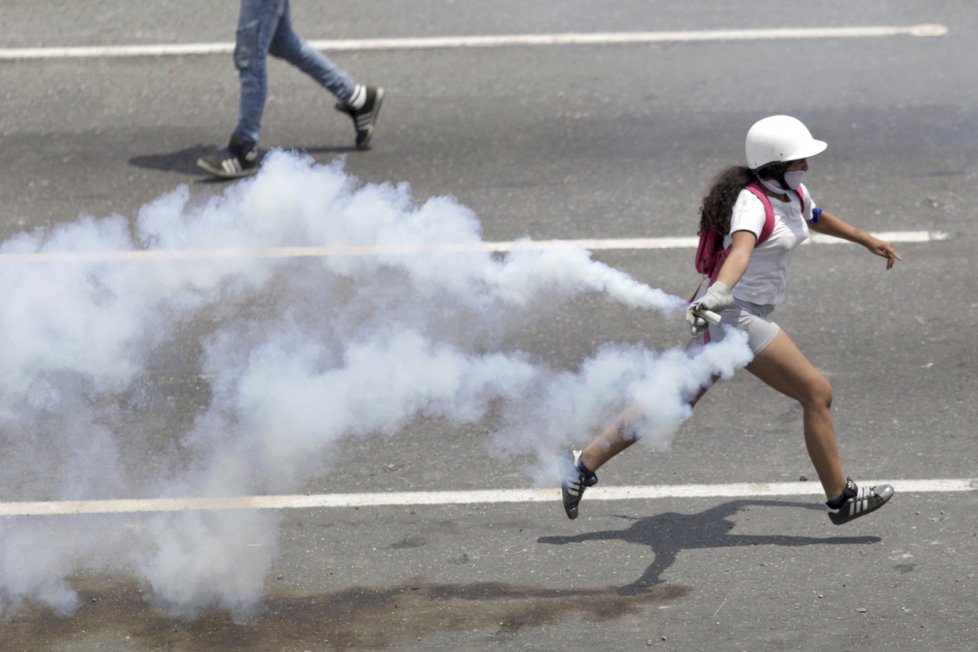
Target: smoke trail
298,353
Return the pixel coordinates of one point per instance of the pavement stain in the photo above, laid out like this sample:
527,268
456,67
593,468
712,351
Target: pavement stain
354,618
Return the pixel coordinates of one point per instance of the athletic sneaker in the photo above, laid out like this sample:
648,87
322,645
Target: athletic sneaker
235,160
860,501
576,479
365,117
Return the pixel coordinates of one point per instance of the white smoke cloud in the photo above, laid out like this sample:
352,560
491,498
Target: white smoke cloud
298,353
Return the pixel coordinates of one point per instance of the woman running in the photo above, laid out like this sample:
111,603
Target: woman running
749,283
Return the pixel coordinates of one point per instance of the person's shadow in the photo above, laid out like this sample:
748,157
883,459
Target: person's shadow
184,160
670,533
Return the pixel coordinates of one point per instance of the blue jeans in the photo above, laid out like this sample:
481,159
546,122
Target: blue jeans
264,27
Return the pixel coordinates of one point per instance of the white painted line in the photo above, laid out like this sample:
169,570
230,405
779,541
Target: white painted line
492,497
620,244
505,40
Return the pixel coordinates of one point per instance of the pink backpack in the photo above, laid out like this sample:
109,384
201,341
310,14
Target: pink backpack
710,254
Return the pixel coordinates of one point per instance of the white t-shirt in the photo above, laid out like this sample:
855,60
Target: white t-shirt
766,277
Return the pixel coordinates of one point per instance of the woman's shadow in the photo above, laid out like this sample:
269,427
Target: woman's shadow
670,533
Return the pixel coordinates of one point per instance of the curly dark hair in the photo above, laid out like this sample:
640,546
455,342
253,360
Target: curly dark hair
722,195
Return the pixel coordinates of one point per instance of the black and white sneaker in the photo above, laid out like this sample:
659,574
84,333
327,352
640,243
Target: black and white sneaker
859,501
365,117
235,160
576,478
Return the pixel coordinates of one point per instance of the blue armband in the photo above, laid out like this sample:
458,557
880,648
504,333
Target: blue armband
816,215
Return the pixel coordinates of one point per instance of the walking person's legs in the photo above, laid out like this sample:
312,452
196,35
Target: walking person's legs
362,103
265,27
257,23
287,45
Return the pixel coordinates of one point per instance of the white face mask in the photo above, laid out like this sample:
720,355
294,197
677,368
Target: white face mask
793,179
773,186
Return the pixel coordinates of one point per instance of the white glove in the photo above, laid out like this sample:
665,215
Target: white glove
707,309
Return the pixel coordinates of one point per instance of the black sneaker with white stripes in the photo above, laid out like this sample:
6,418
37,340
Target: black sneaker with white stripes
235,160
859,501
576,478
364,117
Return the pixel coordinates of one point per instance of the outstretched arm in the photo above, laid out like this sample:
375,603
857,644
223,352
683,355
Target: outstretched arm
830,224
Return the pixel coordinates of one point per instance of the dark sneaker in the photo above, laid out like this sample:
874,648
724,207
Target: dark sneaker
235,160
576,479
860,501
365,118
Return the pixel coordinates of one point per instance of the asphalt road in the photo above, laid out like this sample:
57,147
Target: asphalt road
565,142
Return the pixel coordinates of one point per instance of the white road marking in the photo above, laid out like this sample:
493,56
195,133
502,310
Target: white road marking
494,41
492,497
620,244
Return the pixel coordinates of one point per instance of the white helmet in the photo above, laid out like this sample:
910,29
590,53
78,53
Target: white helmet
780,138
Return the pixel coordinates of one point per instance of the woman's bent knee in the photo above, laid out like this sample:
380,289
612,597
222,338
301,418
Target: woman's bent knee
818,394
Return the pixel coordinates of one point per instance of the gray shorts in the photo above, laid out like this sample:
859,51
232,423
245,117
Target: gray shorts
750,318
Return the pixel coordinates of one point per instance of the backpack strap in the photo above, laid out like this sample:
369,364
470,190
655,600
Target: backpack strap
721,255
768,227
806,202
802,196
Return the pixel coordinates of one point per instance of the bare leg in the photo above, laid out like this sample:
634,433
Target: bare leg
612,440
784,367
616,437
